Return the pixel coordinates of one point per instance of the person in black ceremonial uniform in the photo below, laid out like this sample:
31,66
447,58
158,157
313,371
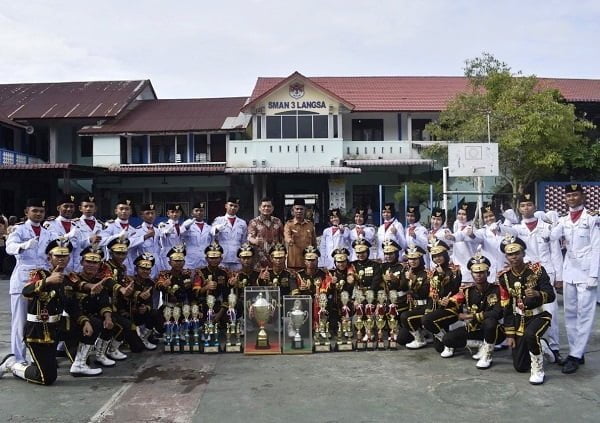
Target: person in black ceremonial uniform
415,283
120,288
524,289
343,275
481,312
368,272
392,270
95,301
45,292
311,276
145,317
247,276
214,282
278,275
444,283
179,286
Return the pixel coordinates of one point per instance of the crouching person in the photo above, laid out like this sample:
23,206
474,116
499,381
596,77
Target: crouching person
145,317
482,312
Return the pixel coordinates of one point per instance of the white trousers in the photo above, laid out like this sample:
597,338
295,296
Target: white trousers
580,307
18,309
551,334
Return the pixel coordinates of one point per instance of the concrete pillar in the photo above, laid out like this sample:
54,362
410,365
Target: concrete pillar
53,145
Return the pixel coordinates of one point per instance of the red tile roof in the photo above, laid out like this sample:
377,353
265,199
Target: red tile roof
98,99
177,115
419,93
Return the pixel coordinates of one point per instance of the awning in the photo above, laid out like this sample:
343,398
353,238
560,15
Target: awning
57,169
171,168
322,170
389,162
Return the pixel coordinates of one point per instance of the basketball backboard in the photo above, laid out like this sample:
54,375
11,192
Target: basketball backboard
473,159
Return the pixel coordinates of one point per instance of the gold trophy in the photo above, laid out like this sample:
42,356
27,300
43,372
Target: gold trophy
233,326
322,342
380,318
345,325
359,323
168,315
297,317
211,333
392,318
185,328
261,311
176,338
195,323
370,321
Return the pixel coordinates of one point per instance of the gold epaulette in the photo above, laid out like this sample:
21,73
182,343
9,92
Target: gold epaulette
536,267
592,212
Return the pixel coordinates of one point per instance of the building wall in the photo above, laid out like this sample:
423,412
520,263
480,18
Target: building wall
107,150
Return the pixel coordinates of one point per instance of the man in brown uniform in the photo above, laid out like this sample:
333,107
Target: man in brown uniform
299,233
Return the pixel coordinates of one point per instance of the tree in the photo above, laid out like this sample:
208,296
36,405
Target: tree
538,133
418,192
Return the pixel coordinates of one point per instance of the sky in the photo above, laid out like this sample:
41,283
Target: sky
193,49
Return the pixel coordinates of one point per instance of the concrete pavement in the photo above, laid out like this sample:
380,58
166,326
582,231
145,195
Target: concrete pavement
354,386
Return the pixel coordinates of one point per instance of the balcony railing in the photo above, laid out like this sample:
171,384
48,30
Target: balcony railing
373,150
9,157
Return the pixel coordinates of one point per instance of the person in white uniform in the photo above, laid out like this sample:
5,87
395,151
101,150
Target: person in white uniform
463,248
120,228
27,242
63,226
89,227
171,232
230,232
390,229
541,249
362,230
489,237
150,238
335,236
196,237
581,231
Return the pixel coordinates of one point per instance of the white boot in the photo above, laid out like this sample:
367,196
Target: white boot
537,369
418,342
485,359
144,334
546,351
440,335
7,364
80,366
18,369
448,352
100,353
113,350
475,344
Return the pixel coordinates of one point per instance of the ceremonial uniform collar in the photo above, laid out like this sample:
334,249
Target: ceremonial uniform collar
576,209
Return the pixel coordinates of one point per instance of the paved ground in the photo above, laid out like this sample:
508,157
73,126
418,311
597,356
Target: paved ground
334,387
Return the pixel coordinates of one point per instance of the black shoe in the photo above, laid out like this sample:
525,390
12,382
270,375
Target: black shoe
6,357
438,345
570,366
558,358
581,360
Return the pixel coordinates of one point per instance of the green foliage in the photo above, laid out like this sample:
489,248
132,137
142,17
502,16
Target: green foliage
418,192
538,133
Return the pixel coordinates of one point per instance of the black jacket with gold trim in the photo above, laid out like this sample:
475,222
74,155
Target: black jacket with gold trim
444,284
518,308
368,274
310,281
46,303
179,287
90,304
482,304
416,283
285,280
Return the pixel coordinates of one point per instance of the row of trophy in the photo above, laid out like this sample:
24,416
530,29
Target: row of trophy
364,324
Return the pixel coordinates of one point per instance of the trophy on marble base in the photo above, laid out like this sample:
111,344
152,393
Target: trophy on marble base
322,335
195,328
168,325
185,328
176,325
345,325
211,334
369,337
261,311
297,318
232,332
359,312
392,318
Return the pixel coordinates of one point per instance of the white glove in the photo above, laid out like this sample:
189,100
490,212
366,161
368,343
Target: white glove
72,233
188,223
540,215
511,216
469,231
592,282
32,243
493,227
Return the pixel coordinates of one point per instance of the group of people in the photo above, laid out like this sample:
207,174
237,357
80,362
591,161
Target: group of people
88,286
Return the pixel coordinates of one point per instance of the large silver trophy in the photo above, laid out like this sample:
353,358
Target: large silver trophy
211,332
261,311
297,318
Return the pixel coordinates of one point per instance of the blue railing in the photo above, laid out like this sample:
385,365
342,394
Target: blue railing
8,157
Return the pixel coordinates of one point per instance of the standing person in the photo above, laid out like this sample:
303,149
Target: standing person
230,232
298,233
171,232
151,239
540,249
335,236
390,229
264,231
196,237
120,228
524,289
463,248
438,227
88,225
489,238
415,233
362,230
64,226
27,242
581,231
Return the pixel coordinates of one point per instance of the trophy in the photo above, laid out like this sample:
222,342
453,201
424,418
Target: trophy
168,315
322,342
345,325
369,338
380,322
261,311
176,338
392,318
185,328
434,292
297,317
211,343
233,326
195,326
359,312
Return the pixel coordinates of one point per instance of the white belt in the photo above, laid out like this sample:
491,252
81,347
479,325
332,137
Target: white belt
420,302
529,313
37,319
